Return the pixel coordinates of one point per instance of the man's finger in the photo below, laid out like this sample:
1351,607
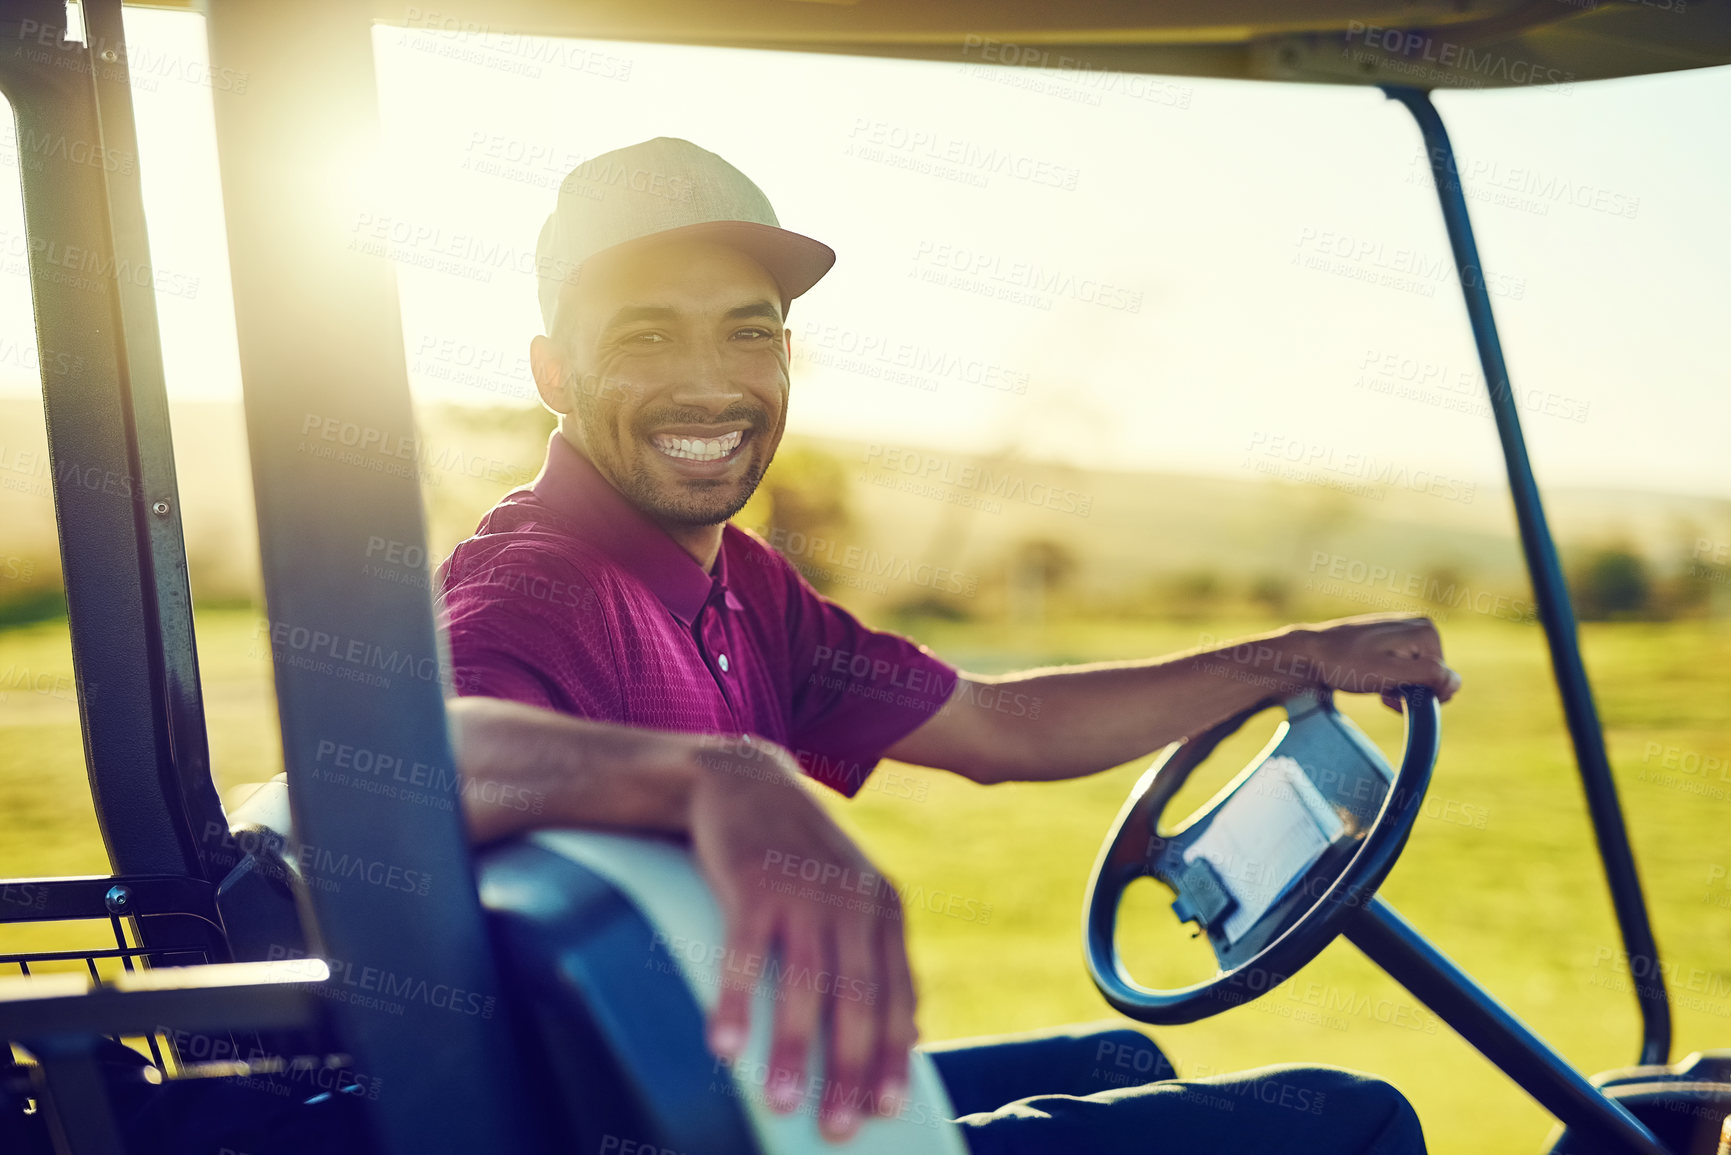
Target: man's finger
853,1026
799,1007
1429,671
896,1001
748,937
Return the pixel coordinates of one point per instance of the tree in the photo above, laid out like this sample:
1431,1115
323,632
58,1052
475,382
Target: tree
1038,568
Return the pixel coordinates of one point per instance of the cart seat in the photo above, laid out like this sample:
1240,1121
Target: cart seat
257,898
610,943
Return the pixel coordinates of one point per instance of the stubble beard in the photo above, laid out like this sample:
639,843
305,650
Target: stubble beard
704,503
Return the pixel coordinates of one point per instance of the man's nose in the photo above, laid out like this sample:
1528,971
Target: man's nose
704,381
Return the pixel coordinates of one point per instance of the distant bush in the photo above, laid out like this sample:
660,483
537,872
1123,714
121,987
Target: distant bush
804,509
1198,585
1699,584
35,605
928,607
1612,582
1272,590
1189,594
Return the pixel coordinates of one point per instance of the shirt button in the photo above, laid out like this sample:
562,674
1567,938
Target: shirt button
722,662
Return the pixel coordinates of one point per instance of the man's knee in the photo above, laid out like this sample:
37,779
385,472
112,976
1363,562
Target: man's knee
1401,1130
1372,1115
1122,1057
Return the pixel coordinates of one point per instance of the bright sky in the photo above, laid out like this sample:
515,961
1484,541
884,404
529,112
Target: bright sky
1216,250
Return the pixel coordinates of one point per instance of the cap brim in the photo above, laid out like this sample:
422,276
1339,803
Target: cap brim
797,262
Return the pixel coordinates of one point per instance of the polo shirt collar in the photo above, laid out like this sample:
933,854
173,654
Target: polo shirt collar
572,487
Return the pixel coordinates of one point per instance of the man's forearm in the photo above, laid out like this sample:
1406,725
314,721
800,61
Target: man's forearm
525,767
1076,720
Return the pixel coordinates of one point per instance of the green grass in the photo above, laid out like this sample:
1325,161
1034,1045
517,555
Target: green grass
1501,873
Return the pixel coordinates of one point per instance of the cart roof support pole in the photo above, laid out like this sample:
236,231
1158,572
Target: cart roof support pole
417,996
1550,592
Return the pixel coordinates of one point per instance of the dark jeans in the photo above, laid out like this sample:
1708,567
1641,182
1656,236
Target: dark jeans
1111,1091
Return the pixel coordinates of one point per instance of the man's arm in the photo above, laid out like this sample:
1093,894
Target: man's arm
525,767
744,806
1077,720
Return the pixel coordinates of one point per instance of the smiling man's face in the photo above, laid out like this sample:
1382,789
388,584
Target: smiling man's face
670,374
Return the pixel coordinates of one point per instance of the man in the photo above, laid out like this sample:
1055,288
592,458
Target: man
625,652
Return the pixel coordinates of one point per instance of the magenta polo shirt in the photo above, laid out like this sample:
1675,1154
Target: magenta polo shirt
569,598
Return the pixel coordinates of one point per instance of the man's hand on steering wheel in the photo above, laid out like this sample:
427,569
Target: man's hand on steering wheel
788,878
1376,653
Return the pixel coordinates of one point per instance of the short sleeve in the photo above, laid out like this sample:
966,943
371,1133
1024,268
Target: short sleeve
856,691
532,633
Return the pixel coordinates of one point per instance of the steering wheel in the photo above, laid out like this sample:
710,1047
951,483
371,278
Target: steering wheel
1275,864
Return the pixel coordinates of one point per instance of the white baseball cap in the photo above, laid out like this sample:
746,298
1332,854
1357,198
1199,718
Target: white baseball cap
667,188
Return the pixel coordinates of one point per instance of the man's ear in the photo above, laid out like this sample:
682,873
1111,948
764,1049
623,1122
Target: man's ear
549,368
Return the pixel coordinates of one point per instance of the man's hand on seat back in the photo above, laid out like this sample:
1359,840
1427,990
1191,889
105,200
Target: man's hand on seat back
789,881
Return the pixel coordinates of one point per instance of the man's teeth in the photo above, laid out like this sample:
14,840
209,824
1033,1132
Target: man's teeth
698,448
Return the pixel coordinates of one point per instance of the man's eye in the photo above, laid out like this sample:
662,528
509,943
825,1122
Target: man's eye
755,334
647,338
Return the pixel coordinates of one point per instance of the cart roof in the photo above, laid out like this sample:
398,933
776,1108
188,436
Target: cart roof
1421,43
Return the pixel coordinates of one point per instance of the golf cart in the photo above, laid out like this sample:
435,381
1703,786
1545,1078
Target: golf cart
558,1000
